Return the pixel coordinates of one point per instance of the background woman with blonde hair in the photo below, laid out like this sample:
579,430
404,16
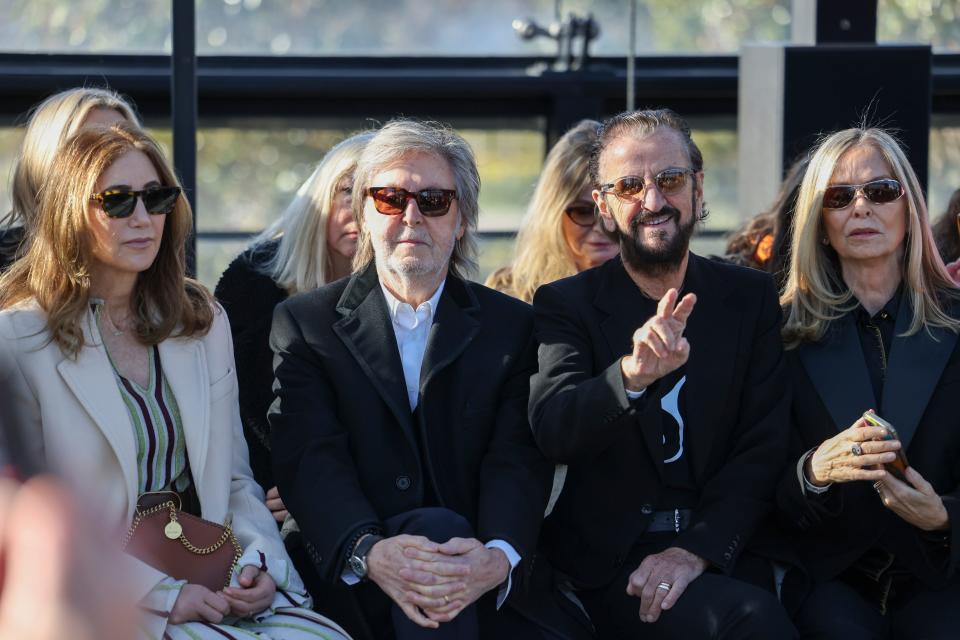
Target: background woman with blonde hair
561,233
50,124
121,371
311,244
871,323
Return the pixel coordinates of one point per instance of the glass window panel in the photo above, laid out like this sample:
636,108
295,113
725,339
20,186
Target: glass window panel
454,27
249,170
10,138
83,26
944,164
936,22
388,27
717,139
213,258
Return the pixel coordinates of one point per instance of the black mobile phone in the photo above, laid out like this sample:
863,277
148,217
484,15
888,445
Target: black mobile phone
899,466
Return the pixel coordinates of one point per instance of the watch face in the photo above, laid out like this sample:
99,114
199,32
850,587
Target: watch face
358,566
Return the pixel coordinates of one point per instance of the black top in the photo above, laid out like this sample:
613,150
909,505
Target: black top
249,296
10,240
876,335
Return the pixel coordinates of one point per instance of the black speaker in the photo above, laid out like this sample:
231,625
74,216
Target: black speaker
831,87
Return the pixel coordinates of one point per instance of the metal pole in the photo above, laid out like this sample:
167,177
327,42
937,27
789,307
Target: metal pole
631,55
183,96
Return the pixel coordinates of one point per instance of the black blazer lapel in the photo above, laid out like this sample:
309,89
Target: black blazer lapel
454,325
838,371
712,331
916,364
367,332
625,307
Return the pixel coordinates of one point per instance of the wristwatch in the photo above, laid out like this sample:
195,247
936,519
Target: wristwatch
358,560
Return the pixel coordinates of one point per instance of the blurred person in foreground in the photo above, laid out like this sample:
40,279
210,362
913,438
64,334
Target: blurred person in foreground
51,123
662,386
561,233
123,378
59,576
871,323
764,242
400,439
310,244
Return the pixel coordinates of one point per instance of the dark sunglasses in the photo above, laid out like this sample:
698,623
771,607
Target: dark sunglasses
584,215
432,202
882,191
120,204
668,182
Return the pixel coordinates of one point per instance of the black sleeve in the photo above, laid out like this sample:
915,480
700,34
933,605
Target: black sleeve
515,478
566,399
312,461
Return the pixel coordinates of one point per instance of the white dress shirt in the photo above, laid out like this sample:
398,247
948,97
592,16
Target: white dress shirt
412,329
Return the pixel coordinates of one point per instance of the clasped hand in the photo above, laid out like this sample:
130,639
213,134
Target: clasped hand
659,346
431,582
198,603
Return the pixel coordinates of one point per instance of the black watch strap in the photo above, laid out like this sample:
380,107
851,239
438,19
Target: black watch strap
363,547
358,559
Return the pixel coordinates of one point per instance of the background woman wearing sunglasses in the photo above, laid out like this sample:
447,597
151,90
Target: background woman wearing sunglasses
310,244
51,123
560,235
871,322
122,373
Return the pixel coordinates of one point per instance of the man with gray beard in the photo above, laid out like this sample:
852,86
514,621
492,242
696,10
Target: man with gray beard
662,386
401,444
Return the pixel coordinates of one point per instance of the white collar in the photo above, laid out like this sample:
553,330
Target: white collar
398,308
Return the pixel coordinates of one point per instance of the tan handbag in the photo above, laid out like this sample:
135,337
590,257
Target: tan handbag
182,545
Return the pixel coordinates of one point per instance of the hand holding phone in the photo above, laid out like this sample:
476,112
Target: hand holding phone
898,467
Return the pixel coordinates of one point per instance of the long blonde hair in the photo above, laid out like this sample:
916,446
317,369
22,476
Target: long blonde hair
815,293
390,145
55,271
302,261
49,126
541,252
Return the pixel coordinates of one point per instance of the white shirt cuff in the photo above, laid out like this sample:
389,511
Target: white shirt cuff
513,558
805,485
349,576
633,395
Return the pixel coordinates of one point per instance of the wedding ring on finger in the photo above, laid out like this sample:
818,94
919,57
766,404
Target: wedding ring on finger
666,586
856,449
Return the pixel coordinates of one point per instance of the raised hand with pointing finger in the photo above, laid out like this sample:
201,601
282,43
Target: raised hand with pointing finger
659,346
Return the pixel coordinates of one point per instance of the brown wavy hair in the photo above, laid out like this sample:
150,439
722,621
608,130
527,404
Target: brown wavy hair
55,272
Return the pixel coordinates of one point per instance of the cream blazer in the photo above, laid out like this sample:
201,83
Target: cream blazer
73,416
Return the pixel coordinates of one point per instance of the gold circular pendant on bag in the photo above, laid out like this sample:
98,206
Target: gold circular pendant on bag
173,530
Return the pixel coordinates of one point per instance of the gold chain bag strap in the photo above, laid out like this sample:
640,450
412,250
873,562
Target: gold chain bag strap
180,544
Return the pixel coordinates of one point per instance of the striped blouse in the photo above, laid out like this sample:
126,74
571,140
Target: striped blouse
162,463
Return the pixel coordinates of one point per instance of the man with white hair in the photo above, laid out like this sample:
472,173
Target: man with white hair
401,442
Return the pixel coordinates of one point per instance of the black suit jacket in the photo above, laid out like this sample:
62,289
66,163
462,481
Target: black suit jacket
249,297
345,440
831,390
737,406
